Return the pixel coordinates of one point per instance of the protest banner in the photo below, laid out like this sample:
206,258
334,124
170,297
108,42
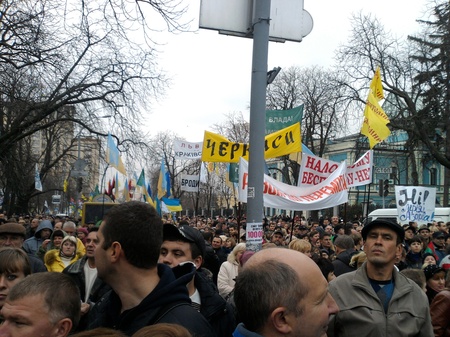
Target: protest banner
217,148
415,203
314,170
189,183
187,150
277,120
329,193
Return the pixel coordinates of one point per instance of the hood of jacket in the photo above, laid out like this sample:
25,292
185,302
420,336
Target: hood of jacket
45,224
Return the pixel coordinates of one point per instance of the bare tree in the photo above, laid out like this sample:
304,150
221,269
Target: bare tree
325,102
369,46
99,57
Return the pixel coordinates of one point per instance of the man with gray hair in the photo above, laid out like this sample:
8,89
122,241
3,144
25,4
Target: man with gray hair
42,304
282,293
345,249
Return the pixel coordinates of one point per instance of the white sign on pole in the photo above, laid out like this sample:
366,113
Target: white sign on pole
187,150
288,19
189,183
415,203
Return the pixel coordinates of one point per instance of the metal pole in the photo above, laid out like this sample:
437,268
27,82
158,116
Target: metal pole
261,24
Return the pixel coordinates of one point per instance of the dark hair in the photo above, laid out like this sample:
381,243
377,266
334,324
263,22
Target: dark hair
416,238
60,293
208,236
322,235
253,281
138,229
325,266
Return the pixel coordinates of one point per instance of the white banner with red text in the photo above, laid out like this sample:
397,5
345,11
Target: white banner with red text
314,170
329,193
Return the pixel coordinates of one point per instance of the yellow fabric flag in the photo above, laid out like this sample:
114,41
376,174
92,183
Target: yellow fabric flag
217,148
66,184
376,87
375,120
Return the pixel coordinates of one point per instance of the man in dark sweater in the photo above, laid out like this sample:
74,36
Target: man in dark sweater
345,249
143,292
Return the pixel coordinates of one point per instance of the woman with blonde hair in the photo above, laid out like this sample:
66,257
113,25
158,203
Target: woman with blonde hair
301,246
58,259
229,271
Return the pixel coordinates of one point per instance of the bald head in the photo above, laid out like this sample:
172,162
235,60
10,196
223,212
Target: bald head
288,256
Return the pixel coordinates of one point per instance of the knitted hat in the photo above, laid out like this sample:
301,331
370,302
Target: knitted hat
432,270
69,238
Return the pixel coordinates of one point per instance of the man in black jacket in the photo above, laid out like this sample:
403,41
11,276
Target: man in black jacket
186,245
143,292
345,249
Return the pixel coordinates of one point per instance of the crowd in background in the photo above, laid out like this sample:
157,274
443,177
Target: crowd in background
336,248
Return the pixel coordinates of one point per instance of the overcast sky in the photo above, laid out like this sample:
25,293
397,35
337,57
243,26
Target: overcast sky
211,73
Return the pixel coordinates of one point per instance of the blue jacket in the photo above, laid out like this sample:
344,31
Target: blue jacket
169,302
241,331
31,245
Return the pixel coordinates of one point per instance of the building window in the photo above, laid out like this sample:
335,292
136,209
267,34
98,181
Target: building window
433,176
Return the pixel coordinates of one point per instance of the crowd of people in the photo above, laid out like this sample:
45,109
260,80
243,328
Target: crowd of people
137,274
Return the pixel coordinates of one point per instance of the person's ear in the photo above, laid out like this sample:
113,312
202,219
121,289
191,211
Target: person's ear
116,250
198,261
281,320
63,327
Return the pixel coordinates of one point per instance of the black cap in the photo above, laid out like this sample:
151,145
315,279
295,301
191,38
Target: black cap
383,223
185,233
438,234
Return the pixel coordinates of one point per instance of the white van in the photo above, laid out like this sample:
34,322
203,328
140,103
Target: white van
440,214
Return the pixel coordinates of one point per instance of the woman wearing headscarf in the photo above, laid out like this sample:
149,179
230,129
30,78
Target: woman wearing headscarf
58,259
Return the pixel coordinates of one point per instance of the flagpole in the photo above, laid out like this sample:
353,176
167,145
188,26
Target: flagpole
198,187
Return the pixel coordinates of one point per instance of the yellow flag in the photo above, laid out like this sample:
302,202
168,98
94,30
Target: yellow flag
375,120
217,148
66,184
375,86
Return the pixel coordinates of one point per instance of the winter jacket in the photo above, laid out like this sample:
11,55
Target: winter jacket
413,260
53,261
342,262
241,331
226,278
213,307
169,302
99,288
76,272
362,313
41,251
440,314
31,245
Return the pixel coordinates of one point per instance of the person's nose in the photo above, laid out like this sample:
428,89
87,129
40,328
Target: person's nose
166,259
2,282
332,305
